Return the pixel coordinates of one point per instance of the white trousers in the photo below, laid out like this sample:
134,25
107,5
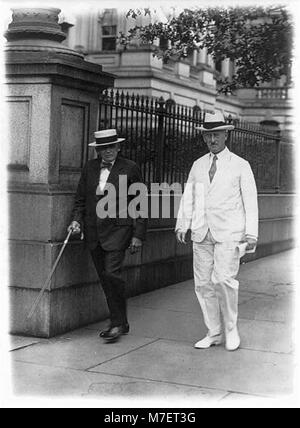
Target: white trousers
216,265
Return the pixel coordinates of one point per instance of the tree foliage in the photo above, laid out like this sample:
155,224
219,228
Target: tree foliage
258,39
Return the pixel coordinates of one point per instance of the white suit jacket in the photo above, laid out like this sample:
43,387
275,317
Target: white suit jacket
227,206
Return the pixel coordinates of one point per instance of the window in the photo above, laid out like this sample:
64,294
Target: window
109,37
218,65
196,110
231,69
170,104
163,43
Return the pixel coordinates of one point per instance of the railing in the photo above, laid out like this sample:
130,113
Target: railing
272,93
270,157
161,137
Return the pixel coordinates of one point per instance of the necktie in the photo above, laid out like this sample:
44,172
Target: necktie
107,165
213,168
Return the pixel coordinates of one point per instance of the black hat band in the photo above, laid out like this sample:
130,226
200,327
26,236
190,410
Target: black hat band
105,140
210,125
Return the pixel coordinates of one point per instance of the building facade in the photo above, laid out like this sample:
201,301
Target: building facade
189,82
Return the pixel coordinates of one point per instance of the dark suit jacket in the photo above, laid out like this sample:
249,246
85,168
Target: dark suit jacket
113,233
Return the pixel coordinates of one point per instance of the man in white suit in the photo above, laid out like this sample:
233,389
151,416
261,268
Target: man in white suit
219,205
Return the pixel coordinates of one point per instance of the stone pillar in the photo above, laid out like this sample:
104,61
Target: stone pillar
52,108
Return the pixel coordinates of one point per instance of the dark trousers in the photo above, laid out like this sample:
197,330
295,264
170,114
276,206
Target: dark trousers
109,265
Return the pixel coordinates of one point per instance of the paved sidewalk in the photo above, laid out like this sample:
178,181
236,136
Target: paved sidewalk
157,359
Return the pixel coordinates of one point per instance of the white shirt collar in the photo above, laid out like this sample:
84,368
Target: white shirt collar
113,162
104,174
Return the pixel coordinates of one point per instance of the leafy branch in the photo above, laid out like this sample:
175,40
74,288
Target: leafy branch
257,39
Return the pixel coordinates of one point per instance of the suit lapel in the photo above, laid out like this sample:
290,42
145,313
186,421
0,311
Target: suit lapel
96,175
117,170
202,172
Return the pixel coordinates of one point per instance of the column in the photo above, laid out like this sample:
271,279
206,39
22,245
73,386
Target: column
53,105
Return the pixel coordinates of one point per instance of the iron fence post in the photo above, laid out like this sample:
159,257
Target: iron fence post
278,156
160,140
229,121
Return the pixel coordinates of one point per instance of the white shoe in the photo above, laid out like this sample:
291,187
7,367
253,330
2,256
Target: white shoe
233,340
208,341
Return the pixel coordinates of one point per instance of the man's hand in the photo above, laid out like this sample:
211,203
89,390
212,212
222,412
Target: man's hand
180,236
136,245
251,243
74,227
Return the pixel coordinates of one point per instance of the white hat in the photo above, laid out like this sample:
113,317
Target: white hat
214,122
106,137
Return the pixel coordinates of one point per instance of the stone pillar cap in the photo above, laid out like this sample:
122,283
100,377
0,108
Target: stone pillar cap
37,29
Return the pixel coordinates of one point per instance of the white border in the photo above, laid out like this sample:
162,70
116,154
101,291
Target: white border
7,399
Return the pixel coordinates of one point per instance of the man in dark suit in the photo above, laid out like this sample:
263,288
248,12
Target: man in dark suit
108,237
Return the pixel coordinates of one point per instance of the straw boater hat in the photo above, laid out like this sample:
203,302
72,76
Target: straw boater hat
106,137
214,122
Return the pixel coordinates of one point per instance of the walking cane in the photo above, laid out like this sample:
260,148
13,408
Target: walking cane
38,299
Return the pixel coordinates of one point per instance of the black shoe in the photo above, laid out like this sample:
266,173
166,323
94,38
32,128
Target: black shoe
105,332
114,334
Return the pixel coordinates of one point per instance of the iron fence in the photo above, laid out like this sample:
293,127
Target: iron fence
161,137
